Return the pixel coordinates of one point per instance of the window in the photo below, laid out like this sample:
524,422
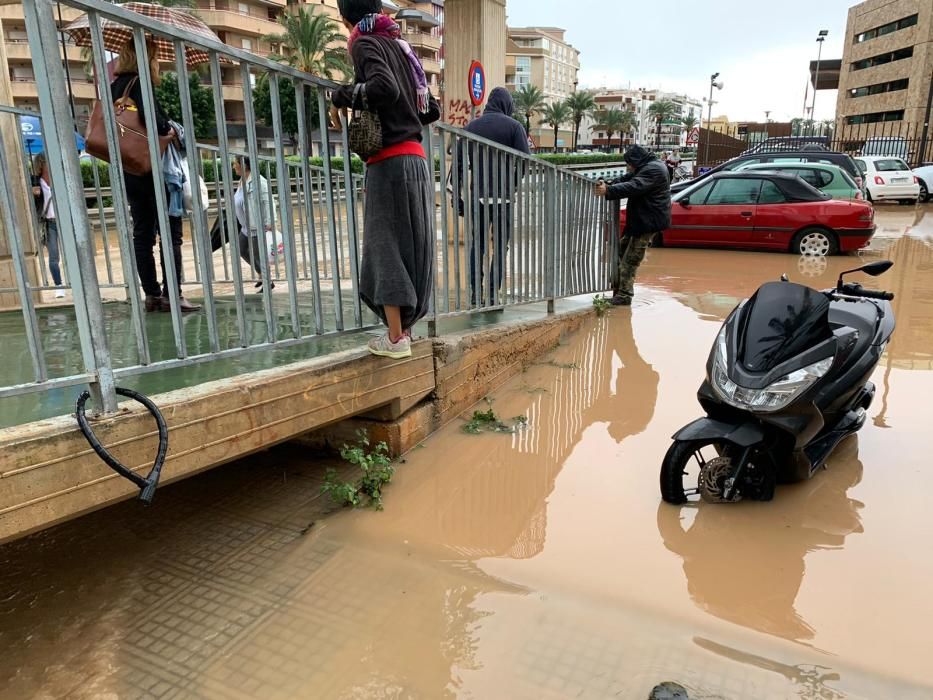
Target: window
699,196
890,165
735,191
875,117
248,44
771,194
888,28
883,58
879,88
861,165
244,8
817,178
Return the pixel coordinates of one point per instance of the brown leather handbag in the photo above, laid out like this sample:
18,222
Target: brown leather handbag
131,135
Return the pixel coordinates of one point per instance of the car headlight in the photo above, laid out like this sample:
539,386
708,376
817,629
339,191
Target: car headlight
778,395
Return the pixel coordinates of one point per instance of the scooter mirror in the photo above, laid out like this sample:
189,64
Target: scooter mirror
877,268
874,269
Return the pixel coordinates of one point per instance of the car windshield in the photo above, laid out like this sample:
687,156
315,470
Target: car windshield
890,165
863,168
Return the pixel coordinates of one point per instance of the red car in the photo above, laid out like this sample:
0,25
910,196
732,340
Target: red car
763,210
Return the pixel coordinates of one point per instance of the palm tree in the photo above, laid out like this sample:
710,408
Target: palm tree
312,44
613,121
556,115
689,122
629,125
581,104
528,100
662,110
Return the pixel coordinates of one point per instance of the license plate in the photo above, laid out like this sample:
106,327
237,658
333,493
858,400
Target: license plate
898,180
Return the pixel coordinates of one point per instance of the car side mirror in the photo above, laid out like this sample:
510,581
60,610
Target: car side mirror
684,202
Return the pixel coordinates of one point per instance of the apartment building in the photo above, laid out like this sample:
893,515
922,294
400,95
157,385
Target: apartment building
887,62
541,56
638,102
242,24
20,68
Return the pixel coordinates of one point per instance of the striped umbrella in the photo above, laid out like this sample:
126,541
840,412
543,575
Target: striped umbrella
117,35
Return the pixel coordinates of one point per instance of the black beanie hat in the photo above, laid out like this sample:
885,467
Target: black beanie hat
355,10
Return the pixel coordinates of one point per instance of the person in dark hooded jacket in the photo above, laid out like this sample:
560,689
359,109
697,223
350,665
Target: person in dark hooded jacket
492,193
647,187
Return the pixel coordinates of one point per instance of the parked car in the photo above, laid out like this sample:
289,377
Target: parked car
763,210
893,146
777,144
830,179
843,160
889,179
924,175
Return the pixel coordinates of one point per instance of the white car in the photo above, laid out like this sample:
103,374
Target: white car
924,175
888,179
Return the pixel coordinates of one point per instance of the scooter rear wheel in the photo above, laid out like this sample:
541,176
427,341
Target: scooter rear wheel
682,468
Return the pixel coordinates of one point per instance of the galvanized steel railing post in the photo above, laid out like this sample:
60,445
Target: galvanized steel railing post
73,223
551,234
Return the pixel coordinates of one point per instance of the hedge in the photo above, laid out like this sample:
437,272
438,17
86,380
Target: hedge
208,169
574,159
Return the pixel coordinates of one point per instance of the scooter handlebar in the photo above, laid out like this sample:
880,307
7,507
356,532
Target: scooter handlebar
856,290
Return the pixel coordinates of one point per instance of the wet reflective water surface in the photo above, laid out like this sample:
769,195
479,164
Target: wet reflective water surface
534,565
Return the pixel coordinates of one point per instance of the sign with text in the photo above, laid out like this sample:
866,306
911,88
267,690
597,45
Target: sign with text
477,83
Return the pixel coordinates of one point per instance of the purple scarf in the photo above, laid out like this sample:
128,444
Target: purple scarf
384,26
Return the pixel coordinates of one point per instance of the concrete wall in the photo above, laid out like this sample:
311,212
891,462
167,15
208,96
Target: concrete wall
49,474
15,182
473,30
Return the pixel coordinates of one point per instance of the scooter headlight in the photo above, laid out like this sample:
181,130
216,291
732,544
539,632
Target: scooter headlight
775,397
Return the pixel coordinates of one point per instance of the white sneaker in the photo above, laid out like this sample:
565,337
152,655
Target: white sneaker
59,293
383,347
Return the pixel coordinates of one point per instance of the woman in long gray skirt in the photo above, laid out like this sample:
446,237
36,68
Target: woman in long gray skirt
397,271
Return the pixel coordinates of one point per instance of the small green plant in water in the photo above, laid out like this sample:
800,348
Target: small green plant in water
376,468
601,304
489,422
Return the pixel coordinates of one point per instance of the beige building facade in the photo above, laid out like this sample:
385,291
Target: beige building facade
242,24
542,56
887,64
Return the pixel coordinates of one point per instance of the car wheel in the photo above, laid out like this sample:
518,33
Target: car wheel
815,241
924,192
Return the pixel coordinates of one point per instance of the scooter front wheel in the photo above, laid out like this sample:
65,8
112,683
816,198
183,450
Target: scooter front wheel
686,467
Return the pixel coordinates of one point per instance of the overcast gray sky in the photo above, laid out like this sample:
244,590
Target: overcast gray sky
761,49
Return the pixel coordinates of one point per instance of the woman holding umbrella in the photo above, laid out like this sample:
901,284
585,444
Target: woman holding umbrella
118,37
140,192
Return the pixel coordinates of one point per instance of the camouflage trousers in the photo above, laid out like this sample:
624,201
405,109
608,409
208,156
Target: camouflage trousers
632,251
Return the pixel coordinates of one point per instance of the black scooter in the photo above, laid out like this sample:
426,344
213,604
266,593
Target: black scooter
786,382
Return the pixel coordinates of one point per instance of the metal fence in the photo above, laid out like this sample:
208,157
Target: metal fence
529,232
910,142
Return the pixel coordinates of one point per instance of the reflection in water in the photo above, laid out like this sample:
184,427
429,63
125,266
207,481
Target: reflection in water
482,509
809,680
745,564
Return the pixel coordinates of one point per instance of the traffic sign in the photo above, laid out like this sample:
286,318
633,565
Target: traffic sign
693,138
477,83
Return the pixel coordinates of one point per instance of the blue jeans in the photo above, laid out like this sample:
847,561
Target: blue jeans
51,242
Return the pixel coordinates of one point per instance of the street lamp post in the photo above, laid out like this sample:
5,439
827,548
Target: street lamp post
709,120
821,37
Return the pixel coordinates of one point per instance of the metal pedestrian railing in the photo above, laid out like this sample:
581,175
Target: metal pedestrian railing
511,229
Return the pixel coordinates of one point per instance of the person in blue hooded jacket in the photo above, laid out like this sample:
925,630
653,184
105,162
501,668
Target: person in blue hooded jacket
492,192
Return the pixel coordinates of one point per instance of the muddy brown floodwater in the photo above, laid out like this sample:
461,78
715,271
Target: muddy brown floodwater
539,565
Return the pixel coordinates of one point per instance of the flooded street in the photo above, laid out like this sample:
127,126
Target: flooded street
536,565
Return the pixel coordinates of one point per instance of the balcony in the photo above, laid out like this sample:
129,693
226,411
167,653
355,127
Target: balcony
25,89
423,40
18,50
231,20
431,67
